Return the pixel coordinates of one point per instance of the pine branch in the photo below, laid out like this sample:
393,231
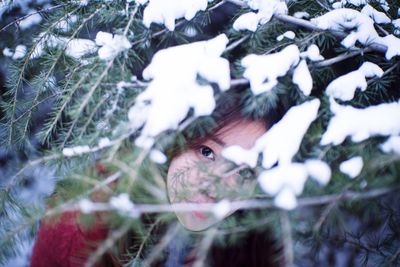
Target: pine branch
108,243
50,71
310,26
59,110
20,79
86,100
44,10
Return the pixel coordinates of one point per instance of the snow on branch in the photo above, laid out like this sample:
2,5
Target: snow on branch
266,9
263,71
167,11
361,124
174,89
278,146
344,87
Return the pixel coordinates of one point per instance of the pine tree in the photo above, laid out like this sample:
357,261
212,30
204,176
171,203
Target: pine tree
328,172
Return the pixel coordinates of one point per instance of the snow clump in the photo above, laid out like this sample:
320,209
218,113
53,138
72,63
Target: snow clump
174,90
361,124
352,167
289,35
312,53
19,52
302,77
167,11
280,143
361,25
75,48
392,145
266,9
263,71
111,45
377,16
344,87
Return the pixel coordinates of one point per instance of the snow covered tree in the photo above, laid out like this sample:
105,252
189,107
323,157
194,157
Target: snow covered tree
127,82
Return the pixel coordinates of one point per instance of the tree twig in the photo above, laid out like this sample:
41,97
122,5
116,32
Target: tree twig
31,14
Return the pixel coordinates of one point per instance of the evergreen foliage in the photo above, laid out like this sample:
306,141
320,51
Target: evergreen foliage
62,95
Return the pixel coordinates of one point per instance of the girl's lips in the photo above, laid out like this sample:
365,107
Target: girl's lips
200,215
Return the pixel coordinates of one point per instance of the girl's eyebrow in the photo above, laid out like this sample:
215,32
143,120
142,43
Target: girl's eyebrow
218,141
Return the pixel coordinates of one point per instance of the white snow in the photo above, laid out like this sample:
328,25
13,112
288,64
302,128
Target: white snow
393,46
85,205
75,151
280,143
289,35
30,21
344,86
111,45
20,52
263,70
65,25
222,209
318,170
75,48
173,89
396,24
312,53
352,167
302,77
284,182
266,9
157,156
301,15
361,26
361,124
167,11
377,16
8,52
104,142
392,145
122,203
286,199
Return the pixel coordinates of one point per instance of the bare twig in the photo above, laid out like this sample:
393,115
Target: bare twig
107,244
205,245
156,251
287,240
236,43
341,57
238,205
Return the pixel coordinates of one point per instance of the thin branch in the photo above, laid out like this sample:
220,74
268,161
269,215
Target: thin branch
238,205
287,240
17,21
157,250
236,43
342,57
386,72
107,244
205,245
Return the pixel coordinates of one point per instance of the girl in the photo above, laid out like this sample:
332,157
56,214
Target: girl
196,174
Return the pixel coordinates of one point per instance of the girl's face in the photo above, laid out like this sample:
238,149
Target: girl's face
202,175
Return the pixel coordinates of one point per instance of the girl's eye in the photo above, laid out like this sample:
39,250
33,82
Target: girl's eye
207,152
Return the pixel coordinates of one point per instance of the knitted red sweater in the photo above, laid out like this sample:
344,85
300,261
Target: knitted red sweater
63,242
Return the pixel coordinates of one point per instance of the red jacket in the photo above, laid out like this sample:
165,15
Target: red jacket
63,242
